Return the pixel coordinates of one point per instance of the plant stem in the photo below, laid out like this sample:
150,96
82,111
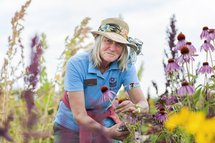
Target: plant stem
211,60
188,73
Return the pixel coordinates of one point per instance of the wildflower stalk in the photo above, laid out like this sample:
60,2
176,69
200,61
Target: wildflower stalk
46,113
207,56
171,84
8,72
191,64
205,80
211,59
188,101
188,73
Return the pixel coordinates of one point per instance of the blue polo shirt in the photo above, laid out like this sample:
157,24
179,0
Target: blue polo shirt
81,75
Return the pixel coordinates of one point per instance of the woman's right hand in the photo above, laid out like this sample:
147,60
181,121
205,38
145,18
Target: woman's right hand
115,133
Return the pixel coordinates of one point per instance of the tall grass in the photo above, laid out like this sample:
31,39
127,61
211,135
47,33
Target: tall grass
27,112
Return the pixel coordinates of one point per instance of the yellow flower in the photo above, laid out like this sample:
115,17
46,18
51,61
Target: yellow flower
204,138
194,122
177,119
206,133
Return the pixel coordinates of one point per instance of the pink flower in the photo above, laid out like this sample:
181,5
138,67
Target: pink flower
207,46
107,95
211,35
161,115
185,55
205,68
172,66
185,89
204,34
181,41
191,48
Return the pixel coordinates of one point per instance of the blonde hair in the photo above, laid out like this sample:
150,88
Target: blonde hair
97,59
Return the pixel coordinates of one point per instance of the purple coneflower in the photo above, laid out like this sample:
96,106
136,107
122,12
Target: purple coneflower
205,69
171,100
160,104
211,34
107,95
207,46
204,34
181,41
166,102
185,56
172,66
191,48
161,115
185,89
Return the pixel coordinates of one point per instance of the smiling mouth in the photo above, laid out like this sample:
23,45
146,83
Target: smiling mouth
111,54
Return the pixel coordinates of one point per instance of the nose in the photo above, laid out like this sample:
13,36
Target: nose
113,46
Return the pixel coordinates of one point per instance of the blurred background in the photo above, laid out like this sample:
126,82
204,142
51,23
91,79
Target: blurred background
148,21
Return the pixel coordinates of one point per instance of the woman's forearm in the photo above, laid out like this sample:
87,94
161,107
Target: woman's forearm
89,123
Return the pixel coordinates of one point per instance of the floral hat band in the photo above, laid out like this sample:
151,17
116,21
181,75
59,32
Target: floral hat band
111,27
117,30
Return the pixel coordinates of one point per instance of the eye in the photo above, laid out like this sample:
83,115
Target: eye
119,45
109,41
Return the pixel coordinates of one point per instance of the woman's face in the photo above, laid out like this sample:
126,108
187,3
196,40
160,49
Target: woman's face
110,50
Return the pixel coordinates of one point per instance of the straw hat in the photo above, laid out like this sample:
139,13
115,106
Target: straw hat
115,29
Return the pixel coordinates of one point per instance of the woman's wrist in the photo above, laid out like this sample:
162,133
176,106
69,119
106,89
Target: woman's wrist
142,107
106,132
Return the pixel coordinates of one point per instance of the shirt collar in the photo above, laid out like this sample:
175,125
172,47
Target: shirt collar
91,68
114,65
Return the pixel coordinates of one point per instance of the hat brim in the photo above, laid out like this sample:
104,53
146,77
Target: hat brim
115,37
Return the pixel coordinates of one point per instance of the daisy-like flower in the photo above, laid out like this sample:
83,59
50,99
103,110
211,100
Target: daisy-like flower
185,89
181,41
172,66
191,48
166,102
207,46
204,34
185,55
161,102
107,95
164,105
205,69
211,35
171,100
161,115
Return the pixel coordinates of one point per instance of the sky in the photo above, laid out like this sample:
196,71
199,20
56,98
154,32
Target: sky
148,20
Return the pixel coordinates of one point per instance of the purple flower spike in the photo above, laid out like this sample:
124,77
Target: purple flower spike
172,66
185,89
205,69
107,95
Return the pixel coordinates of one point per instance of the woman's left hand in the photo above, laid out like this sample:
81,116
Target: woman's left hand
129,106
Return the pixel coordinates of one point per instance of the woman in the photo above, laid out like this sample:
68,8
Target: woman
82,115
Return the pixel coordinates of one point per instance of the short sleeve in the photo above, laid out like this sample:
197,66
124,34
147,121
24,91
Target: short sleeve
73,79
130,78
